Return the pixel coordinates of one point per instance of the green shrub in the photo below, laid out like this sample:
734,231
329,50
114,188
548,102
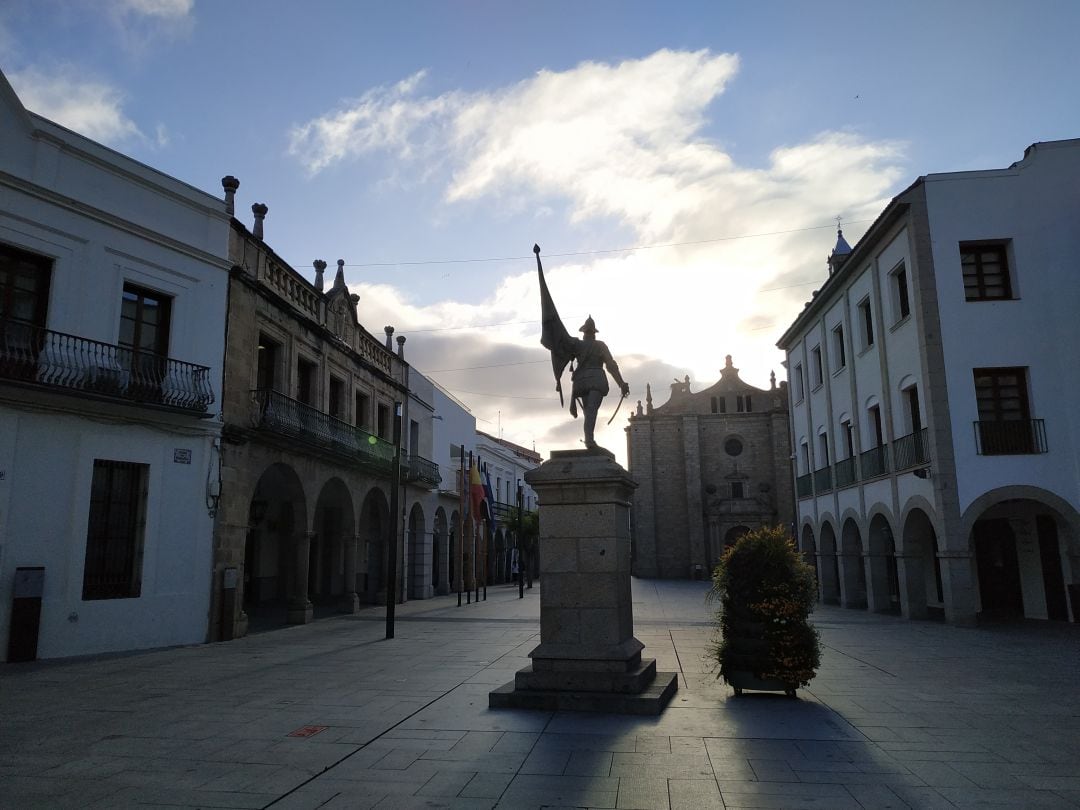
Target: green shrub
765,592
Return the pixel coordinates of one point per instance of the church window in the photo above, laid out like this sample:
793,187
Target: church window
737,489
733,446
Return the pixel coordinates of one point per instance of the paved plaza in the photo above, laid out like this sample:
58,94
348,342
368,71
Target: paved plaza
331,715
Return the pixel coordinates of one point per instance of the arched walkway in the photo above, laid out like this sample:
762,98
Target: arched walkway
809,553
273,594
829,567
374,537
419,554
454,565
920,568
334,532
854,573
884,580
440,581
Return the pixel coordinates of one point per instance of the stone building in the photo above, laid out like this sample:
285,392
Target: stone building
307,453
710,466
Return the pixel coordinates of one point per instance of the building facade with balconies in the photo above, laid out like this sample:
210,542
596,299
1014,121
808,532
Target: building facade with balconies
506,464
113,279
308,453
932,397
710,465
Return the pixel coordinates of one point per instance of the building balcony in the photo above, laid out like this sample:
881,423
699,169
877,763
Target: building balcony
1014,437
289,417
54,360
844,473
804,486
874,462
823,480
418,470
912,450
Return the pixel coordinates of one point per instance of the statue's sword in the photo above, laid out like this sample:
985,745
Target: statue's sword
612,419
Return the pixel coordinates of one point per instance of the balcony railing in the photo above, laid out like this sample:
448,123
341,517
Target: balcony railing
417,469
1014,437
845,473
31,354
874,462
804,486
911,450
823,480
290,417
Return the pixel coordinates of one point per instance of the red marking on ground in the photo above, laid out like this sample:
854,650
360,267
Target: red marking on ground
308,731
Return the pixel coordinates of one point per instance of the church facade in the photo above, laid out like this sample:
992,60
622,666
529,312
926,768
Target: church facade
710,466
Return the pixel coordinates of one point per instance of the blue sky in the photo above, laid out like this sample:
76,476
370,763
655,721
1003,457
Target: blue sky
400,136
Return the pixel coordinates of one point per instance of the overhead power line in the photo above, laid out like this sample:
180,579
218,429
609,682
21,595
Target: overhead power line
421,262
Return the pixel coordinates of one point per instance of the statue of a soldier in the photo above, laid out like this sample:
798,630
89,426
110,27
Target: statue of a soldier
590,384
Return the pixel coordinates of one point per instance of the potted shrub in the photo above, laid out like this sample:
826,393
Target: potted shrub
765,593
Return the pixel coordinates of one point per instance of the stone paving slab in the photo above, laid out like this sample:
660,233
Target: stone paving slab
902,715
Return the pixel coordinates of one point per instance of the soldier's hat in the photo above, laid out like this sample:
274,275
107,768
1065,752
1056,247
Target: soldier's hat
589,327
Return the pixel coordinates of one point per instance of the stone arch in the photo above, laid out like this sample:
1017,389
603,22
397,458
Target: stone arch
374,539
499,560
808,549
419,550
333,530
829,567
1026,548
921,585
276,536
440,580
884,586
454,552
851,564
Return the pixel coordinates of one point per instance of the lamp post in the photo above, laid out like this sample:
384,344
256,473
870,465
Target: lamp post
520,542
395,507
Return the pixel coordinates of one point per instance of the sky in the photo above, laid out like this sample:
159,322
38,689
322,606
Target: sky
682,164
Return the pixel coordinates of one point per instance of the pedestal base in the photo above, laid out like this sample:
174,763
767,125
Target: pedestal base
652,700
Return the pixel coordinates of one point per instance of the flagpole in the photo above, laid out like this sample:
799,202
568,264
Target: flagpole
469,524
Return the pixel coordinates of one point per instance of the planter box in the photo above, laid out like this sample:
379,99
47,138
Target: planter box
740,679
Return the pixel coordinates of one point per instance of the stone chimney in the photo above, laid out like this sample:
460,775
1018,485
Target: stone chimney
389,337
259,210
230,184
319,266
401,346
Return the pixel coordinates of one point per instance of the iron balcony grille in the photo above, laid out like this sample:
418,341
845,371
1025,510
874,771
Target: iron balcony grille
911,450
804,486
874,462
823,480
845,473
1013,437
288,416
39,356
419,470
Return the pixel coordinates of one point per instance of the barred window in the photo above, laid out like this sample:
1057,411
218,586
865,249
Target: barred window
986,271
114,533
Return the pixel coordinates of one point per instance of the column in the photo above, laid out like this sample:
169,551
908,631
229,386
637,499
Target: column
350,602
958,583
300,608
912,577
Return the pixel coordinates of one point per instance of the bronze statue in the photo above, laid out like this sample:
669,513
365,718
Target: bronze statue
590,383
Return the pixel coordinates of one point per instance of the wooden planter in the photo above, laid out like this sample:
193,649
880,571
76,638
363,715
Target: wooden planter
746,646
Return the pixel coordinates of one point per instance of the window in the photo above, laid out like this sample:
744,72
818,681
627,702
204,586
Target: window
362,412
713,406
914,419
114,532
336,405
876,434
144,334
800,383
866,319
722,403
414,437
305,381
383,422
737,489
1005,425
900,292
823,450
749,405
266,374
847,431
733,446
742,403
24,286
839,352
986,271
816,370
805,448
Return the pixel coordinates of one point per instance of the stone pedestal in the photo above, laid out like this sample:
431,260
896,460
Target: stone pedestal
588,658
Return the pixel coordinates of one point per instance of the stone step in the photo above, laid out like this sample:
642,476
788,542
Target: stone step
650,701
586,679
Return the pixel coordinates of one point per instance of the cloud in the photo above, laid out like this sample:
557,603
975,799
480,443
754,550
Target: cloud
92,108
161,9
625,143
141,25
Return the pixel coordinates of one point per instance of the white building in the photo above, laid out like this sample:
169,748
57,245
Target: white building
506,464
933,396
112,304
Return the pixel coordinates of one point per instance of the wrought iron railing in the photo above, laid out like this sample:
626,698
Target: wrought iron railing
911,450
290,417
417,469
43,357
823,480
844,472
804,485
874,462
1013,437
